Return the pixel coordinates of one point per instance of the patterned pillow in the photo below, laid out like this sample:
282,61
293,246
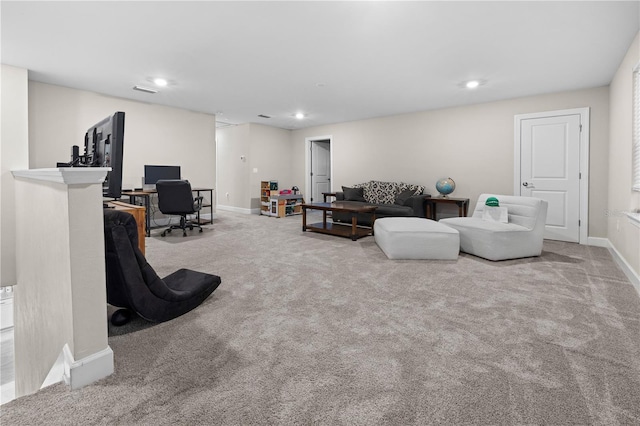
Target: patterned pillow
382,192
376,192
419,189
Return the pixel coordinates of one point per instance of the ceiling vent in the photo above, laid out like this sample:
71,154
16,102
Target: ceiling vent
221,124
263,116
144,89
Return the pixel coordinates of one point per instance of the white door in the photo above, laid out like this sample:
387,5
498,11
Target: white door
550,169
320,170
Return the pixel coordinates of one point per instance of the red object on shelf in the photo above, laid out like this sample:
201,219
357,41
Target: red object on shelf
285,192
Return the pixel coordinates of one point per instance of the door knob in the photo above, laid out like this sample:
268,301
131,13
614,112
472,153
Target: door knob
525,184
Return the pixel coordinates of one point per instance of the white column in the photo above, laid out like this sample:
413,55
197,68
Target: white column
60,300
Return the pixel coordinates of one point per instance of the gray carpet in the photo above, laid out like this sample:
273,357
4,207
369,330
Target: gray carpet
314,329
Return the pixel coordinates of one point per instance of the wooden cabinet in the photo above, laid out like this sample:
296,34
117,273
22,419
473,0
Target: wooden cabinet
138,213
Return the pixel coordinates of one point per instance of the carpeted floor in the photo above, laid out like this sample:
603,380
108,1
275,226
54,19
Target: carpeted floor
314,329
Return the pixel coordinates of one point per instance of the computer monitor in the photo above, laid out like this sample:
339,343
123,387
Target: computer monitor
153,174
103,147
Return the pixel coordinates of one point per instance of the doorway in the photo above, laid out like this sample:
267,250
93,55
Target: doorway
552,163
318,168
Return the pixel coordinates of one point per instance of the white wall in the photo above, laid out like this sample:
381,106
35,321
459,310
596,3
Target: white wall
265,149
14,154
271,154
623,235
233,173
472,144
59,118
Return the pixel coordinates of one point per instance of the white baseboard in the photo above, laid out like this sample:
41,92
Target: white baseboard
624,265
237,209
598,242
88,369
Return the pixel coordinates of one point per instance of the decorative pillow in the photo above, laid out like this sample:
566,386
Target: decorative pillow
382,192
495,214
418,189
402,197
365,186
353,194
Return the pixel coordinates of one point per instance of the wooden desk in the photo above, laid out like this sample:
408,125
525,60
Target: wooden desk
146,199
138,213
430,205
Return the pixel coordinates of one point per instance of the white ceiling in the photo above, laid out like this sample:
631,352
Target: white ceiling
334,61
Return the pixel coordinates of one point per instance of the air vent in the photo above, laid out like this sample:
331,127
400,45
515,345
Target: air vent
263,116
144,89
221,124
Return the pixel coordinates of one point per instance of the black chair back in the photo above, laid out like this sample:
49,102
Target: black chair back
133,284
175,197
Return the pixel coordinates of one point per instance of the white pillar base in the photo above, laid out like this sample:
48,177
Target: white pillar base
87,370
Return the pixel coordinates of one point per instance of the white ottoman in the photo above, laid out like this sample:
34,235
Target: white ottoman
416,238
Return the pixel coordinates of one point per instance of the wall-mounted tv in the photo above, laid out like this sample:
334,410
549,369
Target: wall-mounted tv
103,147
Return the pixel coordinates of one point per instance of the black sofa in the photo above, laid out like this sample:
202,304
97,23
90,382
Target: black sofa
392,199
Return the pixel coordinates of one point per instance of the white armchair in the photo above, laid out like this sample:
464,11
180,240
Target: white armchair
521,237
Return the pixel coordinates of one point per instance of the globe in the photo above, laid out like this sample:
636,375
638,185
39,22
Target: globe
445,186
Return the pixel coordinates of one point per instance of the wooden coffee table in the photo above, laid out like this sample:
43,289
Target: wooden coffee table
353,231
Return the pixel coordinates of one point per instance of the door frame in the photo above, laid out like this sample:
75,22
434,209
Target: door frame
307,163
583,210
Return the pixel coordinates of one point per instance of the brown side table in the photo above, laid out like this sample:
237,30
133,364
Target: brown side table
328,194
430,205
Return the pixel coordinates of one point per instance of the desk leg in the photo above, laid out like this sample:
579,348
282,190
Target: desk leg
147,206
304,219
211,206
198,212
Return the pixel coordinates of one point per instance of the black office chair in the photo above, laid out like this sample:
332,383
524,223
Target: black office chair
175,198
133,285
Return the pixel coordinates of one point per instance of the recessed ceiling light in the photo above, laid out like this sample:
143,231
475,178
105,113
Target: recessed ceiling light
160,82
472,84
299,116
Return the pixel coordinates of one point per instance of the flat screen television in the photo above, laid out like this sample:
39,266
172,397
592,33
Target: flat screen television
103,147
153,174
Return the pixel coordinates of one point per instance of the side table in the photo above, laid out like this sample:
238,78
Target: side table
430,205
